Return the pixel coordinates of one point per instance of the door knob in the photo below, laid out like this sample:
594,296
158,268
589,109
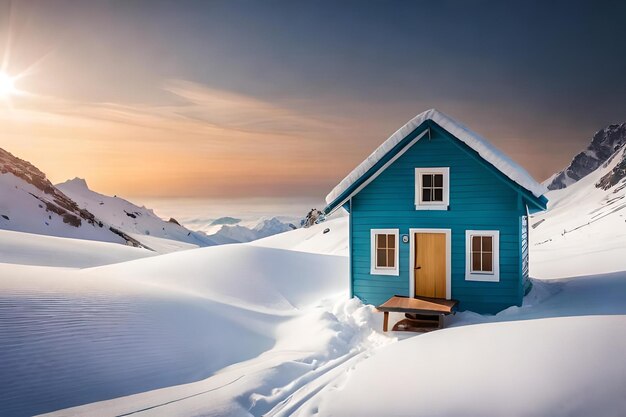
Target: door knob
418,267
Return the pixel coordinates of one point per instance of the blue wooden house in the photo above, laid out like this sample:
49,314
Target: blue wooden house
438,212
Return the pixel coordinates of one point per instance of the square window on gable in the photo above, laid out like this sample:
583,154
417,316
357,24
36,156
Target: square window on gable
432,188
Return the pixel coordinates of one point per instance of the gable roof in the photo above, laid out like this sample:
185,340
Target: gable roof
476,142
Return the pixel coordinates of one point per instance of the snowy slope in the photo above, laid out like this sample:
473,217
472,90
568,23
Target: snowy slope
34,249
138,222
584,221
131,327
519,368
332,361
313,239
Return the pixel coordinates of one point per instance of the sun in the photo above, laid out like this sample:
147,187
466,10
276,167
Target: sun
7,86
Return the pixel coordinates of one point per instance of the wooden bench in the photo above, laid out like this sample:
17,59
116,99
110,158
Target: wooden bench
422,313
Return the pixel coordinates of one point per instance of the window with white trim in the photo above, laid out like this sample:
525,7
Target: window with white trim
432,188
384,252
482,255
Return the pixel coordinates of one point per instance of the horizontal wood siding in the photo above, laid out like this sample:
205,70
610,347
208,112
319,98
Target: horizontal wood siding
478,200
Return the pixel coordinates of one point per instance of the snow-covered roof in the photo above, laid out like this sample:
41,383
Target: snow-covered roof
485,149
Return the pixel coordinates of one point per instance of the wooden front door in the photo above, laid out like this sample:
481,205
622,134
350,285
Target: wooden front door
430,265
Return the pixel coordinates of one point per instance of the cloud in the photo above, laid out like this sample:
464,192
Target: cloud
215,143
236,111
205,142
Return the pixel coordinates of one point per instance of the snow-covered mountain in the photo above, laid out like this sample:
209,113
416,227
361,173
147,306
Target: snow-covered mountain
30,203
248,231
603,145
587,216
139,222
144,225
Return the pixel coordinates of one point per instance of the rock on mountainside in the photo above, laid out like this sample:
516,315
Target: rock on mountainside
617,172
314,216
30,203
603,145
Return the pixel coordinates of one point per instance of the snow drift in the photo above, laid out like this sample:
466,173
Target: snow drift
74,337
41,250
521,368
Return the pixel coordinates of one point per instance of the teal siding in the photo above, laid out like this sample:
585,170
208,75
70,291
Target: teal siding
480,198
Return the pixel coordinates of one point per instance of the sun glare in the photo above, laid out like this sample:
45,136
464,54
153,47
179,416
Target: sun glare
7,86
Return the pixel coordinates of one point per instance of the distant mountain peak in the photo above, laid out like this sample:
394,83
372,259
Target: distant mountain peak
605,143
76,182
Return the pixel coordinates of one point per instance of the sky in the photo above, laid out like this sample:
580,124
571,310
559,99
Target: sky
281,99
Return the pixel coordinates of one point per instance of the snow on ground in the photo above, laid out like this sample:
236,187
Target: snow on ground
34,249
70,337
561,354
568,366
162,245
310,352
324,238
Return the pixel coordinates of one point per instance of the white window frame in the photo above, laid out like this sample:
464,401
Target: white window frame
482,276
432,205
374,270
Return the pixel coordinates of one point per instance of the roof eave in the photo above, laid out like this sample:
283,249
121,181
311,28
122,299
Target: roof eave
380,166
536,203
